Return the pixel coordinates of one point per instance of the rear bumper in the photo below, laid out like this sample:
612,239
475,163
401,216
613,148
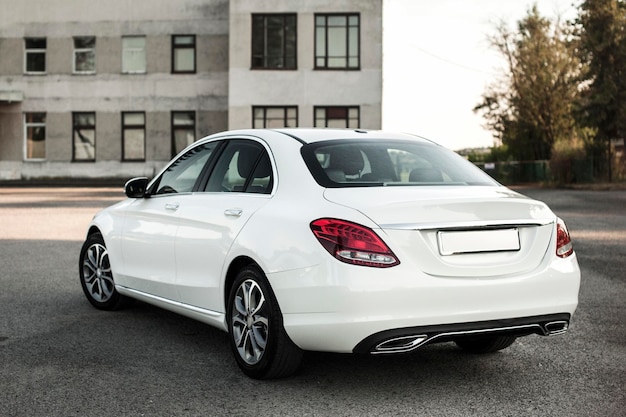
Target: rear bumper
336,307
410,338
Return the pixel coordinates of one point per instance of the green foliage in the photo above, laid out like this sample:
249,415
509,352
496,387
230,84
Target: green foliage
567,155
500,153
531,107
481,155
601,34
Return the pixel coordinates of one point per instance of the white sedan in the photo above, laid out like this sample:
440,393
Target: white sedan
333,240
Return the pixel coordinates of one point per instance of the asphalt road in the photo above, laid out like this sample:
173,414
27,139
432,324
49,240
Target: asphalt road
61,357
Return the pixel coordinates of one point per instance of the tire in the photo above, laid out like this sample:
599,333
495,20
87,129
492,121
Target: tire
257,337
96,277
487,344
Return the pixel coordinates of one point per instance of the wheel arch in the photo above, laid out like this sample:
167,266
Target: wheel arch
235,266
93,229
279,356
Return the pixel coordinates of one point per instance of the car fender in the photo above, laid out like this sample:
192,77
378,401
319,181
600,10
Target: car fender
109,222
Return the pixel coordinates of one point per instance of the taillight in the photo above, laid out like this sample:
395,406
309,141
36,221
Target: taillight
353,243
564,247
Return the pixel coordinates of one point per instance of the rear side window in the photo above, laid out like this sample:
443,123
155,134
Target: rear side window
388,163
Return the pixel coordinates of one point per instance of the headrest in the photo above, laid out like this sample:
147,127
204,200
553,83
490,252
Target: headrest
425,175
346,158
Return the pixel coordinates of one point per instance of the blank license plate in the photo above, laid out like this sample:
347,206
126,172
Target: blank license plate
473,241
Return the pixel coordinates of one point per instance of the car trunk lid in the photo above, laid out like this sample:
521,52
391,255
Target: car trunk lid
457,231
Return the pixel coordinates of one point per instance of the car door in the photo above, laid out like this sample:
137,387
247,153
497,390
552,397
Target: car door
148,246
240,183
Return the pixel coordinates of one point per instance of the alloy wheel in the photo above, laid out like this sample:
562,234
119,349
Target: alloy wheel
97,274
249,323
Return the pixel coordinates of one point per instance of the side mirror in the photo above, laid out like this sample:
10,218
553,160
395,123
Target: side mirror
136,188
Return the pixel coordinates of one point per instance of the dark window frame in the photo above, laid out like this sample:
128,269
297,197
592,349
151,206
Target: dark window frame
326,57
82,50
192,46
266,108
35,50
331,109
75,130
181,127
285,58
137,127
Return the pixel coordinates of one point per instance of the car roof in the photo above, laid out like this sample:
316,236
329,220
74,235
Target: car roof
311,135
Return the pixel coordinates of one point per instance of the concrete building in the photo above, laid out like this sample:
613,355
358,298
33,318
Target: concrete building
115,89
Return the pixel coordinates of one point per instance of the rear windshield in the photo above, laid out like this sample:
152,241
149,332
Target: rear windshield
375,163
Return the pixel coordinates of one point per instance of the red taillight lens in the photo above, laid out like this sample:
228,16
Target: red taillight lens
564,247
353,243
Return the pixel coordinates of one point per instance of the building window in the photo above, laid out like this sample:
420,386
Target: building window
274,41
134,54
35,135
84,136
85,55
274,116
35,55
338,117
184,54
337,41
133,136
183,130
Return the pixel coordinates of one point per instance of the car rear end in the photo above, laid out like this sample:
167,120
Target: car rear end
419,262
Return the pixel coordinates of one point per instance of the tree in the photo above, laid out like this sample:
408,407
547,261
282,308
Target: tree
530,108
601,27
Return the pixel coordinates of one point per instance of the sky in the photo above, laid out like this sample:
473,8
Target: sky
437,63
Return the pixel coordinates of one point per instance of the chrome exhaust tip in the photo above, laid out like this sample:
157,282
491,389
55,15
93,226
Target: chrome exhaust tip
556,327
400,344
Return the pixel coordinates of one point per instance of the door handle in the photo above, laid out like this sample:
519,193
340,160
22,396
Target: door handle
172,206
233,212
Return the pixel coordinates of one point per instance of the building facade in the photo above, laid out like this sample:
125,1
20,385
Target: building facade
114,90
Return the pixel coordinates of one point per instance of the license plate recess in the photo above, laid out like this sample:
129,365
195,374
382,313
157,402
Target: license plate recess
475,241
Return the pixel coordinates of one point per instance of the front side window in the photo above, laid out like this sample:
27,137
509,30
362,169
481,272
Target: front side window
183,130
183,174
84,136
337,41
183,54
35,135
35,55
274,116
274,41
133,136
337,116
85,55
134,54
389,163
244,166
